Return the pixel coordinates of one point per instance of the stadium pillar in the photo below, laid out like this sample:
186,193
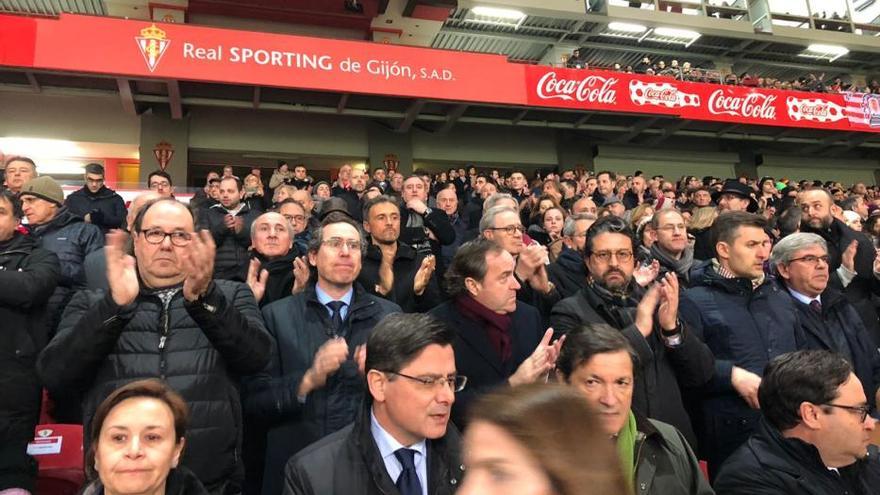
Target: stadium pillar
747,164
385,144
159,135
573,150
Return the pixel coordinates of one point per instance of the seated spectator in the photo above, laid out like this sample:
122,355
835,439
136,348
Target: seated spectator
96,203
230,225
671,355
507,448
18,171
499,338
137,439
392,269
828,320
815,434
28,276
598,362
165,317
312,386
569,272
401,441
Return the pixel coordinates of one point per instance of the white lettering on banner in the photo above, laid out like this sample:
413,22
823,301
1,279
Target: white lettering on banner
388,69
591,89
277,58
752,106
661,94
200,53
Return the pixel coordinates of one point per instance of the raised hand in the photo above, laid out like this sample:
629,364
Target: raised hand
121,269
300,275
199,265
417,205
644,275
540,363
423,275
645,310
848,257
256,279
667,309
328,360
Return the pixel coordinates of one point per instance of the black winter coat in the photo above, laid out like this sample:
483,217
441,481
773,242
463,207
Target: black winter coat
348,462
406,265
770,464
299,326
231,261
663,370
865,284
568,273
436,221
746,328
71,239
105,208
200,350
28,276
839,329
475,357
703,247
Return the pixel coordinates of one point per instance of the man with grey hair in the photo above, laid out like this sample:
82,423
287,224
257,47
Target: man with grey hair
828,320
500,199
568,272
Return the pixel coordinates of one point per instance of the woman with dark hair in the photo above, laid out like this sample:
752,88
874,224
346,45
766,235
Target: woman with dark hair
538,439
136,442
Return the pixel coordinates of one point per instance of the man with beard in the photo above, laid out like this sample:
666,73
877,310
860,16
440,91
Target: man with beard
229,223
605,181
843,244
394,270
671,247
636,193
671,356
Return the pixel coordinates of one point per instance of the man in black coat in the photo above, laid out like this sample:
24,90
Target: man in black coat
28,275
671,356
815,435
392,269
422,228
165,317
312,386
671,247
860,282
270,274
230,224
828,320
499,339
402,440
96,203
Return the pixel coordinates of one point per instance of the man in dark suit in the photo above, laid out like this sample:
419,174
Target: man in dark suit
402,441
499,338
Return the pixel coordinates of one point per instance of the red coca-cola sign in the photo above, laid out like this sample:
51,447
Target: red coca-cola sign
751,105
590,89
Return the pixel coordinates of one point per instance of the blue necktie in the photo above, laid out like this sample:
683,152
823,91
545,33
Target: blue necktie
408,482
336,317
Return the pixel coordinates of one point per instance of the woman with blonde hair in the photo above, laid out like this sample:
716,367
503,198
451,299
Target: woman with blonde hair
699,228
538,439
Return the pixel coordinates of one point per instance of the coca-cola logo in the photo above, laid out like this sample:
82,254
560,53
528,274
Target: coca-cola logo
752,106
662,95
591,89
818,110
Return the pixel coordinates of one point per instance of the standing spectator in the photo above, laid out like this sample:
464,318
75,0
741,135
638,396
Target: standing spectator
569,272
423,228
343,190
312,386
499,338
636,194
671,247
816,433
401,441
19,170
254,196
271,271
165,317
858,281
301,179
604,193
671,356
160,181
447,200
746,320
281,176
205,197
28,275
96,203
230,224
379,178
302,222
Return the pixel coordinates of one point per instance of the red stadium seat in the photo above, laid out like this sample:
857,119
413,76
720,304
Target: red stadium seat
61,472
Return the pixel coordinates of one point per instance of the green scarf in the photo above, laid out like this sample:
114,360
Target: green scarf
626,448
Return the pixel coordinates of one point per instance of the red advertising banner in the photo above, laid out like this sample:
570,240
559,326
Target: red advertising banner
102,45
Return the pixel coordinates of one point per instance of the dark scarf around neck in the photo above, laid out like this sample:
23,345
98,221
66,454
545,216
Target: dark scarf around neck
497,326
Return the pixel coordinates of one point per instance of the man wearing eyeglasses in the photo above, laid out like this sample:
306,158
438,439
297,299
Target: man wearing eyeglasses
160,181
828,320
401,441
815,436
165,317
671,357
312,386
671,248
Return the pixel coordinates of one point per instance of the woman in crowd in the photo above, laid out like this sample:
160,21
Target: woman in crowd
538,439
253,193
136,443
281,176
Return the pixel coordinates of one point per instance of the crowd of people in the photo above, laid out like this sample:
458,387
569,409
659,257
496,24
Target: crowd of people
585,332
686,71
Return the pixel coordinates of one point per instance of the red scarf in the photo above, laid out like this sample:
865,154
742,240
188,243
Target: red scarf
497,326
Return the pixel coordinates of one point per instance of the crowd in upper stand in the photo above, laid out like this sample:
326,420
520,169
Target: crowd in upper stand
281,334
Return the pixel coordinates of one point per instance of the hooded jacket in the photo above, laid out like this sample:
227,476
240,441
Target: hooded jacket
105,208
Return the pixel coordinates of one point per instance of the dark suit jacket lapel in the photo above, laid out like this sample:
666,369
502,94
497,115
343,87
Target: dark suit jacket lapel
473,335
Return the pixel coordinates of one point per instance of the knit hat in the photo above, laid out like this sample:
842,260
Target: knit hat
44,188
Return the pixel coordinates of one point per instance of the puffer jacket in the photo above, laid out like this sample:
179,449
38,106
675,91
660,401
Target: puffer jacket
28,276
105,208
568,273
231,262
71,239
199,348
745,327
299,325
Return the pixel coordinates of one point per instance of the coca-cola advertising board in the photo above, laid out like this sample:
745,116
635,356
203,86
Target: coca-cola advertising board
141,49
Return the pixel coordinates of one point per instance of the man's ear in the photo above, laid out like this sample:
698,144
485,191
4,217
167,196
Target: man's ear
722,249
473,287
376,382
809,414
